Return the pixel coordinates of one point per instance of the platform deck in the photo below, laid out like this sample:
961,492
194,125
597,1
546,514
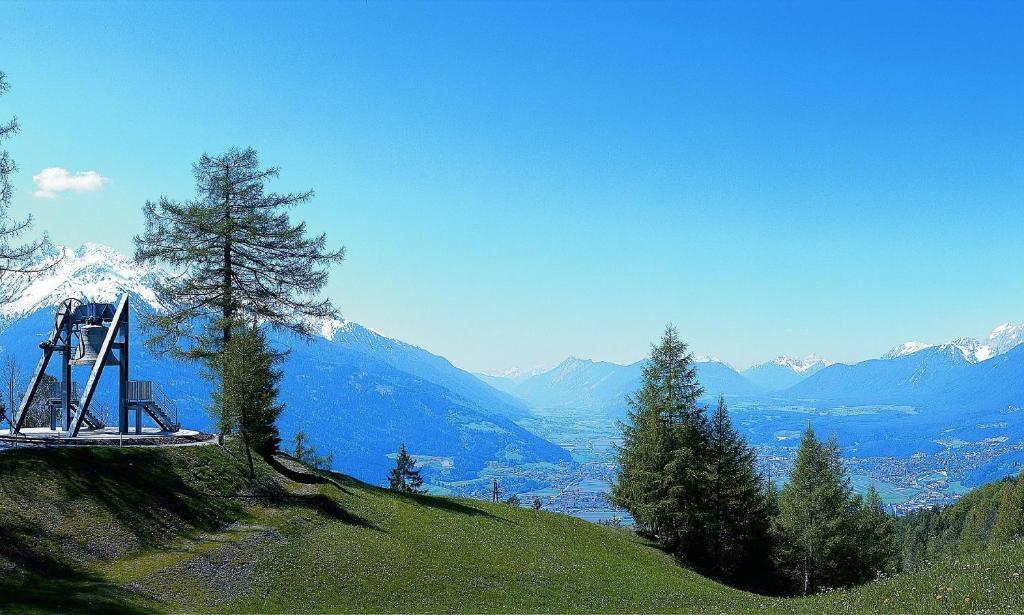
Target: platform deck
108,436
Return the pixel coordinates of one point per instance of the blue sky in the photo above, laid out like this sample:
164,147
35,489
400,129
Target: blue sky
517,183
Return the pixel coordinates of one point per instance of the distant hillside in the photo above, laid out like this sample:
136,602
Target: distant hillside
937,377
604,387
901,379
131,530
581,383
783,372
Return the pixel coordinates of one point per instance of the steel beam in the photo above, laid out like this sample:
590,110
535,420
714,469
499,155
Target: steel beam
37,376
90,387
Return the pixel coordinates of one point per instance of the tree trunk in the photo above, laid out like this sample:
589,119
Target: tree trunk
229,310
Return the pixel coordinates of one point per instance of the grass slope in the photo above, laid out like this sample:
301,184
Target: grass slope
107,530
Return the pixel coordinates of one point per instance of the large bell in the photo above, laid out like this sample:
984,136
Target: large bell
90,339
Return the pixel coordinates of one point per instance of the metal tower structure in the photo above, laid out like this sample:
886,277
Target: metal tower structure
89,334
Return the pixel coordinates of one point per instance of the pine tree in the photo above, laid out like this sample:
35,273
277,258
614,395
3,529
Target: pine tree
247,398
645,451
738,510
234,257
405,476
536,504
662,455
813,515
874,537
16,257
307,453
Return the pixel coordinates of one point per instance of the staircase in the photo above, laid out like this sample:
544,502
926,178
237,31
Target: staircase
90,421
54,398
149,396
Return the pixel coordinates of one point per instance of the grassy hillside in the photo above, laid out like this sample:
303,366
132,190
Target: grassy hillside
180,529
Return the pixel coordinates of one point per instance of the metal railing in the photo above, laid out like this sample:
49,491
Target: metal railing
165,403
140,390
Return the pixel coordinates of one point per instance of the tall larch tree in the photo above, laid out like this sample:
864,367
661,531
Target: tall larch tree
233,256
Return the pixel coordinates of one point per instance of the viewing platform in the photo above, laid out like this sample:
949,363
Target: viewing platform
104,436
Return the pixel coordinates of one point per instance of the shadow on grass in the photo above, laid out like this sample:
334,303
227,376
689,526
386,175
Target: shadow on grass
447,505
320,477
50,584
72,593
307,476
329,508
62,510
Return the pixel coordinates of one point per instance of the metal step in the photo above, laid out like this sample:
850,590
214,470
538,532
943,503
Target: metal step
160,417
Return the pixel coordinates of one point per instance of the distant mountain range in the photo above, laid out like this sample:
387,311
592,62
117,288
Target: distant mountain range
941,376
604,387
1003,338
915,373
783,372
355,392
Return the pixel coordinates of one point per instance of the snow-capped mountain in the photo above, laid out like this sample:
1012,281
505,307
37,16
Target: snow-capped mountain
783,372
1003,338
515,374
355,392
507,380
93,272
904,349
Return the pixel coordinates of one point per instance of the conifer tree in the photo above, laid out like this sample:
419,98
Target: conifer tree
981,518
738,510
813,515
662,455
234,256
307,453
405,476
874,539
247,398
646,449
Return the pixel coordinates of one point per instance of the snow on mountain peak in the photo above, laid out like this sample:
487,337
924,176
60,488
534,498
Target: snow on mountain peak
93,272
1002,339
905,349
516,374
1005,337
801,366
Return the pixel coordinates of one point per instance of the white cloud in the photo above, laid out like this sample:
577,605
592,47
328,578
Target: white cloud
52,180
